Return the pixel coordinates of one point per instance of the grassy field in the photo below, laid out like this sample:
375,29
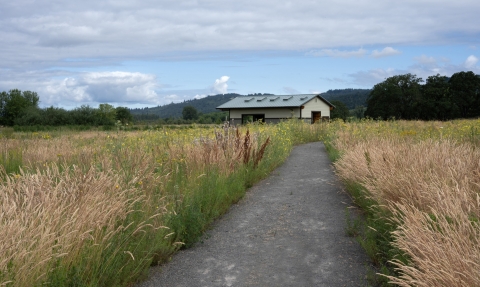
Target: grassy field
98,208
419,186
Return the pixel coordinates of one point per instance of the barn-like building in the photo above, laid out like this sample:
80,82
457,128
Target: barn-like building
274,108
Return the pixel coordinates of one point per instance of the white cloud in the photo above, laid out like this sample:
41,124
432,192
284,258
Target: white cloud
121,88
68,88
338,53
387,51
90,35
220,86
471,62
43,33
198,97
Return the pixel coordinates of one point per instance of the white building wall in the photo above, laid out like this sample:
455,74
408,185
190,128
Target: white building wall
315,105
279,113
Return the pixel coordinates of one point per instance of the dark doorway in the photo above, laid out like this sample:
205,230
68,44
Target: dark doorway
250,118
316,117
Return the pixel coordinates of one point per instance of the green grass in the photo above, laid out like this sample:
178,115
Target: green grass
194,202
12,160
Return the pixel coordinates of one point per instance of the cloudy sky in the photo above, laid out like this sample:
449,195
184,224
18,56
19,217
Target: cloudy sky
154,52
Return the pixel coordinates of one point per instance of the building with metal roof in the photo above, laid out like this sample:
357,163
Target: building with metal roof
274,108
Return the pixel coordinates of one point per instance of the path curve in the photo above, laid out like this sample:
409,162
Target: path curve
289,230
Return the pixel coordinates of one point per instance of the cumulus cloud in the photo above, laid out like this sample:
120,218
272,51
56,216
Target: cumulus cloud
387,51
220,86
338,53
44,36
122,88
471,62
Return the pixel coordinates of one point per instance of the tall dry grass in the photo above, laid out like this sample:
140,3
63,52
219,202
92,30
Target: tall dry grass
431,185
52,215
98,207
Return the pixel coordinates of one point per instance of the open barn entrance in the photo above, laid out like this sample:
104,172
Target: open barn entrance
250,118
316,117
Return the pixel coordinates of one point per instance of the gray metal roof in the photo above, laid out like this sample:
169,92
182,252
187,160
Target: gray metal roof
270,101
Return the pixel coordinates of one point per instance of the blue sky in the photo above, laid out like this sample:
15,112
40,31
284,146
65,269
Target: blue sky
149,53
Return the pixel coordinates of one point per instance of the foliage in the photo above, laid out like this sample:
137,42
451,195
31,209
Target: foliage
213,118
441,98
465,94
396,97
340,111
105,115
14,104
437,102
350,97
174,110
21,109
358,112
189,113
123,115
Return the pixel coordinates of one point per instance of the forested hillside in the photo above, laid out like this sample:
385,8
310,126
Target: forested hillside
205,105
350,97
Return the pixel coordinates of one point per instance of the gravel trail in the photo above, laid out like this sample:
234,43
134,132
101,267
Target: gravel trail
289,230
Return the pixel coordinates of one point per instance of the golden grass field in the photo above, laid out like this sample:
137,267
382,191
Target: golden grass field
97,208
427,175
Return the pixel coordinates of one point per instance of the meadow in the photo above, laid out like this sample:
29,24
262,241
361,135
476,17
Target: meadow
418,184
97,208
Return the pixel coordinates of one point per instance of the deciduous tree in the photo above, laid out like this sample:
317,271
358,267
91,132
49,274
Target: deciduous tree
14,103
189,113
465,93
397,96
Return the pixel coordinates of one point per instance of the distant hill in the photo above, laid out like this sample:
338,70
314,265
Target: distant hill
350,97
204,106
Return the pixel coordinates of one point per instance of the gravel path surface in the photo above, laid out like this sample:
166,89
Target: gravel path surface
289,230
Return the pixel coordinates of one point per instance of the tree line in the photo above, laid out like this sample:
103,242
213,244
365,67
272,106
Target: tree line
440,98
21,108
